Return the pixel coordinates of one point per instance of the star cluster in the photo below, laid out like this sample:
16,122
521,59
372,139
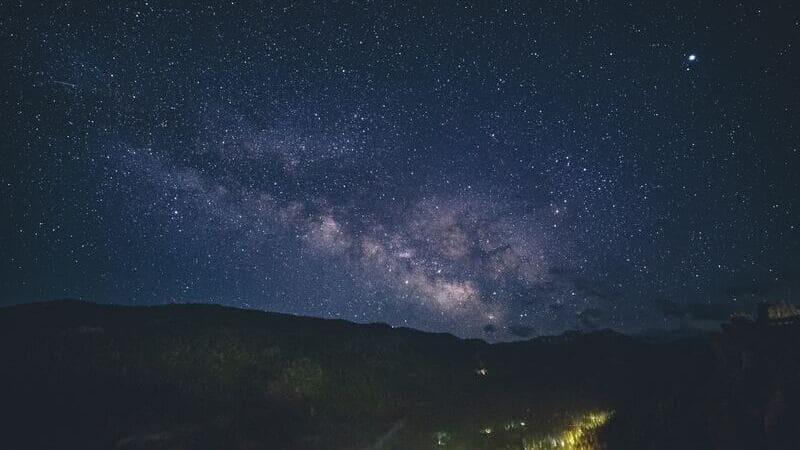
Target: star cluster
492,170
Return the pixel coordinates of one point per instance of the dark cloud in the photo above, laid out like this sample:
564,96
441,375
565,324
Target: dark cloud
696,311
669,308
767,286
591,318
522,331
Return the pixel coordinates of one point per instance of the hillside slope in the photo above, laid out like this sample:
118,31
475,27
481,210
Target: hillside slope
82,375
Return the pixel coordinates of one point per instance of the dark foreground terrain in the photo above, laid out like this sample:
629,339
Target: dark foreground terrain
81,375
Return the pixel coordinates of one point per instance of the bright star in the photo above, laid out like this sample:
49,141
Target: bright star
692,57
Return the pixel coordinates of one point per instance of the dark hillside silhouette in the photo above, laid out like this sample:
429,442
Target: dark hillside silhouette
82,375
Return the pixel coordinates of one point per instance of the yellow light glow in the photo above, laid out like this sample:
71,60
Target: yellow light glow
577,437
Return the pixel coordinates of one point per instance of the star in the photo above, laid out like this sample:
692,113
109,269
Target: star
445,186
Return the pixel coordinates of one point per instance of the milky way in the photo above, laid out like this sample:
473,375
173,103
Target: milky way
491,170
470,261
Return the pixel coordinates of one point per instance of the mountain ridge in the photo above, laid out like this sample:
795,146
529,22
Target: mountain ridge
197,376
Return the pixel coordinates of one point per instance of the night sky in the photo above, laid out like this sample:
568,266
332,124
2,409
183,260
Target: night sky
494,170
